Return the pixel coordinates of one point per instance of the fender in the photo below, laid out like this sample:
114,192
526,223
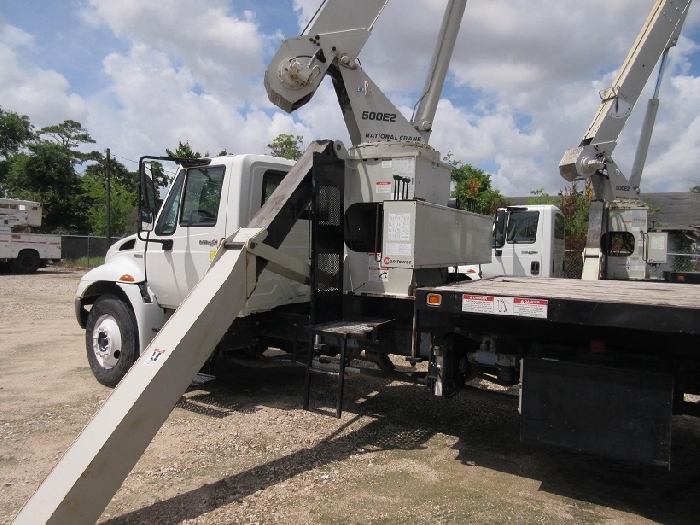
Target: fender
150,316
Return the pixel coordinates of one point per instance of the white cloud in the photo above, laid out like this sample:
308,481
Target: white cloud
219,49
42,94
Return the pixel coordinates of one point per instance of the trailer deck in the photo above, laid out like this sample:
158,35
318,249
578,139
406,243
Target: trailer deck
654,306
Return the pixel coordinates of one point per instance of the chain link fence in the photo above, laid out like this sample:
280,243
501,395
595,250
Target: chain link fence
573,264
83,248
676,262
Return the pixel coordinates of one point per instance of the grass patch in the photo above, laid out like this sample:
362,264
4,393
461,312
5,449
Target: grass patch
84,262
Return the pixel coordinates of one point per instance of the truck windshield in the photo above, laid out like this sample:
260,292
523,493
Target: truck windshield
522,227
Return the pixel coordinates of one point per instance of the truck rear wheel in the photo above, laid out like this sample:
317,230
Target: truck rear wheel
111,339
27,261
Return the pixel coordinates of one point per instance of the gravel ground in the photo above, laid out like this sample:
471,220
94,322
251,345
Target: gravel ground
241,450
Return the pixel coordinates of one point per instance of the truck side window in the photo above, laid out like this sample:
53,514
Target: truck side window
271,179
167,220
522,227
202,196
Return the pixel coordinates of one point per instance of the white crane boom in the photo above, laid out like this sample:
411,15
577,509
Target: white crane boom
593,157
332,46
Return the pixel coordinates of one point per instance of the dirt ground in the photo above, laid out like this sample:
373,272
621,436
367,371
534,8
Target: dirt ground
241,450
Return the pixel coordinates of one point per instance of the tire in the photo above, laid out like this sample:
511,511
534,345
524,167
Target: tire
27,261
111,339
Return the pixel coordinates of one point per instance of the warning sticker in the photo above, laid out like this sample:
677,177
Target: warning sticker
377,272
383,186
525,307
155,356
512,306
477,304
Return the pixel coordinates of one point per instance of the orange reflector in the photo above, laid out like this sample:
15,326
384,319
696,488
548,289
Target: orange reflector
434,299
471,270
128,278
680,277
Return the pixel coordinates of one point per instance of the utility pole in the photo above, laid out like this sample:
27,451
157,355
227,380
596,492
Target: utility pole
108,233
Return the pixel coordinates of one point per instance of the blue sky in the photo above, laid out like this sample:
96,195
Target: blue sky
523,87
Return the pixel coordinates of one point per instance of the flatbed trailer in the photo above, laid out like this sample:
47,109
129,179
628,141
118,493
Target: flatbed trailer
602,364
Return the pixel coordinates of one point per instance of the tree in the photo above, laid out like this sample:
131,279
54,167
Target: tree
473,188
15,132
575,204
286,146
695,189
123,197
46,173
539,196
184,151
70,134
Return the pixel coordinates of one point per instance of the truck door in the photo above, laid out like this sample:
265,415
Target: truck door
192,226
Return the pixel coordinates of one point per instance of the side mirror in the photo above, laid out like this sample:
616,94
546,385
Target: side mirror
145,220
147,197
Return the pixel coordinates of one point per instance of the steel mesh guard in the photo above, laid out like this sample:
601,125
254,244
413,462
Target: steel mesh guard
327,242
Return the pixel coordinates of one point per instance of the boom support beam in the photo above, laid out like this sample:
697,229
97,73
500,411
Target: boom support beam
86,478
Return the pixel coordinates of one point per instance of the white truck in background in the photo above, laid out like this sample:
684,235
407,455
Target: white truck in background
22,251
528,241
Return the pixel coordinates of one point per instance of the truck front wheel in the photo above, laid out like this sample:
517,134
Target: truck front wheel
27,261
111,339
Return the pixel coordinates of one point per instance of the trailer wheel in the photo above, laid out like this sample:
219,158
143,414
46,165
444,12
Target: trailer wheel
111,339
27,261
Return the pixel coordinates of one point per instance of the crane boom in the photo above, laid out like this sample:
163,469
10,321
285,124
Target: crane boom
593,157
331,47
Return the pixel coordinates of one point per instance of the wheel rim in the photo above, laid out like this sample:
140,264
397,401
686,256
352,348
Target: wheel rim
107,341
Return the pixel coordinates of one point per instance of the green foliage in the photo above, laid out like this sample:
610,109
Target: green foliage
184,151
122,198
15,132
473,188
695,189
46,173
574,204
539,196
70,134
286,146
41,167
86,262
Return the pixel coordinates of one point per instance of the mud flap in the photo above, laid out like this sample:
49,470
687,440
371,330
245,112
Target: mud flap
612,412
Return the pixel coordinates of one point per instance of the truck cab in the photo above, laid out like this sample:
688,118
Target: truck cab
528,241
124,303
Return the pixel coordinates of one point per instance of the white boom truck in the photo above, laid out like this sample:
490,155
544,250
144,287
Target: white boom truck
619,245
596,373
25,252
528,241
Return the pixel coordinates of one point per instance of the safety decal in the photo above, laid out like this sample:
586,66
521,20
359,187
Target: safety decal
383,186
155,356
512,306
